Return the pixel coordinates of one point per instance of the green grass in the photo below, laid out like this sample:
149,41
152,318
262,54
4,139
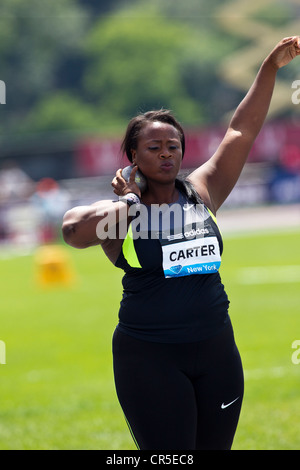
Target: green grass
266,320
57,389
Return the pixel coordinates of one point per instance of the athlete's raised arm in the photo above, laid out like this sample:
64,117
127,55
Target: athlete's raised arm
215,179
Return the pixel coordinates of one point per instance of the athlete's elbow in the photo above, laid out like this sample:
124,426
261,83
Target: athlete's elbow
69,233
76,233
70,230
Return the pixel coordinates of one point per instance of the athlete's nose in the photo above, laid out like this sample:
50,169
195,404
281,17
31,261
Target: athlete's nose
165,154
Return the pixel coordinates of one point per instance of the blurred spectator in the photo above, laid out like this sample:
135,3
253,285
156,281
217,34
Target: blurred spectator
15,187
51,202
290,158
15,184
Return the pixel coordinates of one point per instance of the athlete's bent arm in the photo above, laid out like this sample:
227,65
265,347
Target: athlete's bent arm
215,179
85,226
80,226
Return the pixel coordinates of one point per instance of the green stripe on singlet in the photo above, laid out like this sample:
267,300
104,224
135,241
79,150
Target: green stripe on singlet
214,219
129,250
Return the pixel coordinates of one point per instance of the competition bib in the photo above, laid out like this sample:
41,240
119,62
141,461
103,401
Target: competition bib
198,256
192,250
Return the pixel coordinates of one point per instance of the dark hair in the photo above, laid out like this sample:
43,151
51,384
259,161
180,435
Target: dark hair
137,123
131,139
186,188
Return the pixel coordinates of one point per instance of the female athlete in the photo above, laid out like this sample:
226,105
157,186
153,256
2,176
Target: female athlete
178,372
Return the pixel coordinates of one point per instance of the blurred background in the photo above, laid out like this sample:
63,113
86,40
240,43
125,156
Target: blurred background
75,72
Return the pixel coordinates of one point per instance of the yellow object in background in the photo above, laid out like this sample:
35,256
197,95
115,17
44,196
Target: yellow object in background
53,266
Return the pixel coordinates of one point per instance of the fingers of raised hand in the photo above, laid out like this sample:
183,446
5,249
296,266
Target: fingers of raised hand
118,183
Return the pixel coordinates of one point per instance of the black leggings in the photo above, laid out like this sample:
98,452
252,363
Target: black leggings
180,396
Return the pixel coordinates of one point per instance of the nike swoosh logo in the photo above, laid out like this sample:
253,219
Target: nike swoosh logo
223,406
187,207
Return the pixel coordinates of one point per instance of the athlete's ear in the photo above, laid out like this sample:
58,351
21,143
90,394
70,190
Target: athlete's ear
133,155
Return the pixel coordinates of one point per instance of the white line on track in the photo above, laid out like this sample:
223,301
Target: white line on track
269,274
271,372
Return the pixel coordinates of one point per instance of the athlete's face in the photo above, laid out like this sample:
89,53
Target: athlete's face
159,153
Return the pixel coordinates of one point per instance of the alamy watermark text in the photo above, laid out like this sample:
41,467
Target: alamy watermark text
2,352
296,354
2,92
296,93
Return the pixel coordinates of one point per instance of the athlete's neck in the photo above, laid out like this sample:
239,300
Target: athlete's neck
160,194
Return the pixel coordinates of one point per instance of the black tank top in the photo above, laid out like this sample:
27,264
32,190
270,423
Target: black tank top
172,290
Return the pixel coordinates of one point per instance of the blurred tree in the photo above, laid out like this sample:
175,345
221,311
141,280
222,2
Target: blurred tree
70,66
35,37
89,65
62,110
206,46
134,62
161,54
97,7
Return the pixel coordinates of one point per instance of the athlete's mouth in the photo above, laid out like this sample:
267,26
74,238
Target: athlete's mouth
167,165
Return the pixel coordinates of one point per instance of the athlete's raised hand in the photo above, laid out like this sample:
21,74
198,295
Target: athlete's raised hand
285,51
122,187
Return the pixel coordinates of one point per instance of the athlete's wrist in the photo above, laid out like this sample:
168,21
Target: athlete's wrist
130,199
